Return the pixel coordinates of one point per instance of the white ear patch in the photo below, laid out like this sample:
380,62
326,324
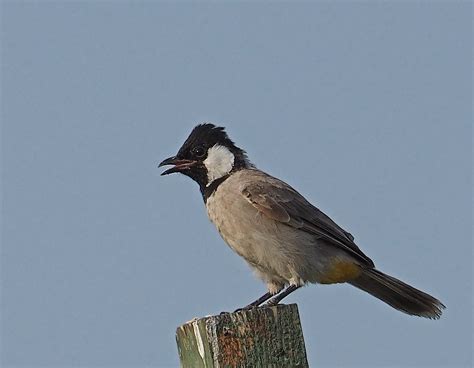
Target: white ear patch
219,162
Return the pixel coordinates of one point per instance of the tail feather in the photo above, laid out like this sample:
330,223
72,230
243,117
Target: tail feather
399,295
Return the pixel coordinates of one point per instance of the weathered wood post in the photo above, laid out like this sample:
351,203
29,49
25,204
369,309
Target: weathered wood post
262,337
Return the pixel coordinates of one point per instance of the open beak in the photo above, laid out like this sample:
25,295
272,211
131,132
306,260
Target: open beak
179,165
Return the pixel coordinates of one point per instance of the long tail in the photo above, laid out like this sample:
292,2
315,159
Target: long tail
399,295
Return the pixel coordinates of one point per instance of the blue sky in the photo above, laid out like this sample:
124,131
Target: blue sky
364,107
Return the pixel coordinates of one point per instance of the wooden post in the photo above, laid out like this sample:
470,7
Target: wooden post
262,337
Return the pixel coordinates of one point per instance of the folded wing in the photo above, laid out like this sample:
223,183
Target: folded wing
280,202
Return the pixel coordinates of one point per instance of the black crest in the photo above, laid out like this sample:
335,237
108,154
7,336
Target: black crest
207,134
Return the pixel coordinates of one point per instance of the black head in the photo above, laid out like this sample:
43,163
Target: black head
207,156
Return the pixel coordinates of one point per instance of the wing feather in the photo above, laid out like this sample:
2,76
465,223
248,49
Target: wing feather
280,202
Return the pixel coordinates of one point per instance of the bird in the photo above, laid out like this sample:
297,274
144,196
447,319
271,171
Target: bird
286,240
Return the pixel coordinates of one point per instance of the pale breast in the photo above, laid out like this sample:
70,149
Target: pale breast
267,245
244,229
230,213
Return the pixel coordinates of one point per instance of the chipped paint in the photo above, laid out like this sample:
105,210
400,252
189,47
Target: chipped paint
275,312
199,342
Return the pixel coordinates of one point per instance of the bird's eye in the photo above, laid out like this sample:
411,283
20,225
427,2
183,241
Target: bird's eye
199,151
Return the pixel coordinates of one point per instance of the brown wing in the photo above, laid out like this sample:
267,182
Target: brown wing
280,202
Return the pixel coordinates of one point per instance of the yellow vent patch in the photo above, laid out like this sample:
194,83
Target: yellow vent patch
340,271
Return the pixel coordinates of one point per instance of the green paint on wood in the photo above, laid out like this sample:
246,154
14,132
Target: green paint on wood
262,337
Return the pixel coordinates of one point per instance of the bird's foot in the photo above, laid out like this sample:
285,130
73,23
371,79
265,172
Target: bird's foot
246,308
271,303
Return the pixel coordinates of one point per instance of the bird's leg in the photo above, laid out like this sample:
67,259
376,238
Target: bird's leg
279,297
257,302
260,300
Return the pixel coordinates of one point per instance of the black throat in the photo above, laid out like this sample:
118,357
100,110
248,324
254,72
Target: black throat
207,191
